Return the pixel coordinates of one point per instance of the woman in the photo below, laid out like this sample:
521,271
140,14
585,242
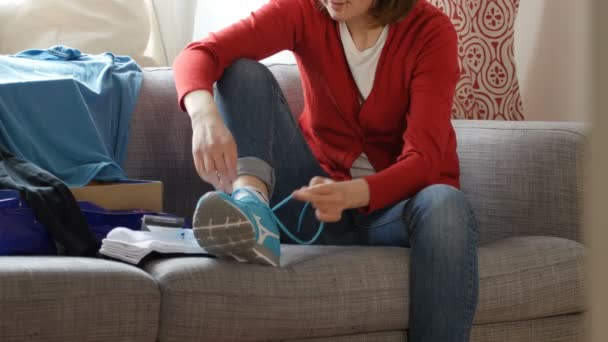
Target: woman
374,151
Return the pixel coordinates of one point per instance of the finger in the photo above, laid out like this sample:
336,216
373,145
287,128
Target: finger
323,189
318,199
209,164
328,201
198,164
316,181
220,165
318,190
306,191
230,158
210,171
306,196
329,207
227,172
221,183
229,188
327,216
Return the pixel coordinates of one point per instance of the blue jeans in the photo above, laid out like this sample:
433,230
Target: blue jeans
437,225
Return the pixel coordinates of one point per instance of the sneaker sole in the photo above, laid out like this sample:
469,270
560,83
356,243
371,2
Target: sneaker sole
223,230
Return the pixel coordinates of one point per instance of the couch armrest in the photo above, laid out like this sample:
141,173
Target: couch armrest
523,178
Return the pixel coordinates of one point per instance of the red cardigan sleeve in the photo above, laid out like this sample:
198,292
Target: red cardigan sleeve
274,27
428,123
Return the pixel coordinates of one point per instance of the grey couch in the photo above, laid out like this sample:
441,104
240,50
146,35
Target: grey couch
523,178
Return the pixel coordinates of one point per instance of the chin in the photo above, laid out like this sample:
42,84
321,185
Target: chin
337,17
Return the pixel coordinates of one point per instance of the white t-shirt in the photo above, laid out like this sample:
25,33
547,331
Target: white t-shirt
362,66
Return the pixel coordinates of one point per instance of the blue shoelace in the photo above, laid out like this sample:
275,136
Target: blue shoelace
300,219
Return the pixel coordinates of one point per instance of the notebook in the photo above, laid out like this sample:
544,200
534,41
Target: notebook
132,246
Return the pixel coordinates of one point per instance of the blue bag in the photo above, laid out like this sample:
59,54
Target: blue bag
22,234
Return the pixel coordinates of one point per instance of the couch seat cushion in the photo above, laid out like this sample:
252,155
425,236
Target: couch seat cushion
326,291
76,299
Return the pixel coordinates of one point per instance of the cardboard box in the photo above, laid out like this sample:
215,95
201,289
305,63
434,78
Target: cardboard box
126,195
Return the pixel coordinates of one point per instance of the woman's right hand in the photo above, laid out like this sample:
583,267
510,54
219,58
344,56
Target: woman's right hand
213,147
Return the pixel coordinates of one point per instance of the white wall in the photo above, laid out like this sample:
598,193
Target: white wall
92,26
172,27
214,15
553,53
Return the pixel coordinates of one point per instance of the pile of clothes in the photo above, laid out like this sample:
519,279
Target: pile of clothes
64,121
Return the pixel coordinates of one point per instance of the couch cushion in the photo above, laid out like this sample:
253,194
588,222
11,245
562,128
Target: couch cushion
566,328
530,277
76,299
326,291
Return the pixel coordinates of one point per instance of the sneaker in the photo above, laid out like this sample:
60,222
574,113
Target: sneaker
243,229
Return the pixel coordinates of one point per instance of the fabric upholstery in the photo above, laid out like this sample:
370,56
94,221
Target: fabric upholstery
327,291
385,336
530,277
160,144
568,328
523,178
288,77
76,299
488,86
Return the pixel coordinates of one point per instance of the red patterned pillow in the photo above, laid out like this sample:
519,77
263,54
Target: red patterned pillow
488,88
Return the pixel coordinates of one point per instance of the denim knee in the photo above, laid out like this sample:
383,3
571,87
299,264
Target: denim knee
245,74
442,213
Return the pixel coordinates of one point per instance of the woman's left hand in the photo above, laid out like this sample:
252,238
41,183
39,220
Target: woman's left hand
331,198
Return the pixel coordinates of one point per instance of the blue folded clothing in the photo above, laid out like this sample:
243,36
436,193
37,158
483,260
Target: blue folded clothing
69,112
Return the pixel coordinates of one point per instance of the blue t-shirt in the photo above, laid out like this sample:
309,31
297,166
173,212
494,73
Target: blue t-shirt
69,112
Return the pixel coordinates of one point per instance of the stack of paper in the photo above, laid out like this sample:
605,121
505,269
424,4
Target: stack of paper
132,246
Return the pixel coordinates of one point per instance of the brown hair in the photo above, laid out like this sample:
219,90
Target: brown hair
387,12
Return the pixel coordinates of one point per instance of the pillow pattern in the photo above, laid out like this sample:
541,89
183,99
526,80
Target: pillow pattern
488,88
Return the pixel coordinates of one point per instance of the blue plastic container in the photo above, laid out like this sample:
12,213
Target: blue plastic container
22,234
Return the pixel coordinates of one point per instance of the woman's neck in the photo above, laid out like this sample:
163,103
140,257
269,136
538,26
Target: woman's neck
364,32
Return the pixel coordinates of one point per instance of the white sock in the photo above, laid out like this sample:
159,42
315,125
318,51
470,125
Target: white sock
254,191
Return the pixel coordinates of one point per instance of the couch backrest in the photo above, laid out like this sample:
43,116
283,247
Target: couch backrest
160,146
523,178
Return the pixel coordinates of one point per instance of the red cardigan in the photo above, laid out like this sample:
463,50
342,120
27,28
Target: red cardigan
404,125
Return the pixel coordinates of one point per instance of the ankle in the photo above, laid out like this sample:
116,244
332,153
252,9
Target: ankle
251,192
252,183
